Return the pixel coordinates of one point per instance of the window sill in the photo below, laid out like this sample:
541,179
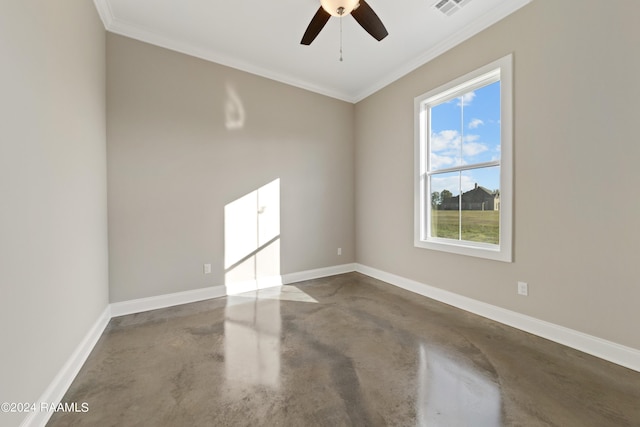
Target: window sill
486,251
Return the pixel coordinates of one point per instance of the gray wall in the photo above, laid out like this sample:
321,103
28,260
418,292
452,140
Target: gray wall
187,137
53,217
576,175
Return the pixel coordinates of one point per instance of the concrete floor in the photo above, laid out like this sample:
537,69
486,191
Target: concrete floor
340,351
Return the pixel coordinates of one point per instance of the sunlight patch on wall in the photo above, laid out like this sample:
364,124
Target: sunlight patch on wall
252,240
234,113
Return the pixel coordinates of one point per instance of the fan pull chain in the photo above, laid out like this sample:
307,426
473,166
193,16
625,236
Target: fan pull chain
341,38
341,13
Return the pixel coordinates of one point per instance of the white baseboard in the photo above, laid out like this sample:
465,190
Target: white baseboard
607,350
318,273
60,384
168,300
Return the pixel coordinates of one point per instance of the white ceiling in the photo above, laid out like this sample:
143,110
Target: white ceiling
263,37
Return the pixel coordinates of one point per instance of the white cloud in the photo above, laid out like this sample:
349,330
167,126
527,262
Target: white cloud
470,149
438,162
475,123
445,148
445,141
451,183
466,99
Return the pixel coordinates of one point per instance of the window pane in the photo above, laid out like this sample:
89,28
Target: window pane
446,134
481,118
445,216
463,183
481,205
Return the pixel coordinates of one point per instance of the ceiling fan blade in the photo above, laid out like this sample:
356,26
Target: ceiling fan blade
368,20
315,26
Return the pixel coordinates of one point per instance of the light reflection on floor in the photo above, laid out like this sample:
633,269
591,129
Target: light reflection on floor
252,341
252,335
452,393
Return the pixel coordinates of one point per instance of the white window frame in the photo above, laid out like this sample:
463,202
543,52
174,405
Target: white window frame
503,70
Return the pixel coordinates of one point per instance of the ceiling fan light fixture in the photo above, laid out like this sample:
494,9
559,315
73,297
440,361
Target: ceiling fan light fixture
339,7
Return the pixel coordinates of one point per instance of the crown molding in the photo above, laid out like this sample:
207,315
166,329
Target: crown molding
123,28
104,10
480,24
117,26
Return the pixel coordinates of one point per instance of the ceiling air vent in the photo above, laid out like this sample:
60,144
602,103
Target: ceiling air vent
449,7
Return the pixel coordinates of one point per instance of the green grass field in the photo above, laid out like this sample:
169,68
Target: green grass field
477,226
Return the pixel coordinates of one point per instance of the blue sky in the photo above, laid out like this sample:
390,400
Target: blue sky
472,120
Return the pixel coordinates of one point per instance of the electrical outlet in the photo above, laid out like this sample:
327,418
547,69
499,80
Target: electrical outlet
523,289
339,251
207,268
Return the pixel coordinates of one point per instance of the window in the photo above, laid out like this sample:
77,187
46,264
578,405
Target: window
463,188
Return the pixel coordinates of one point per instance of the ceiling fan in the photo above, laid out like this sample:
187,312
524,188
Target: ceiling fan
359,9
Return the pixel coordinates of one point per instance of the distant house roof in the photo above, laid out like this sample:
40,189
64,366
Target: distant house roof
478,193
473,199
